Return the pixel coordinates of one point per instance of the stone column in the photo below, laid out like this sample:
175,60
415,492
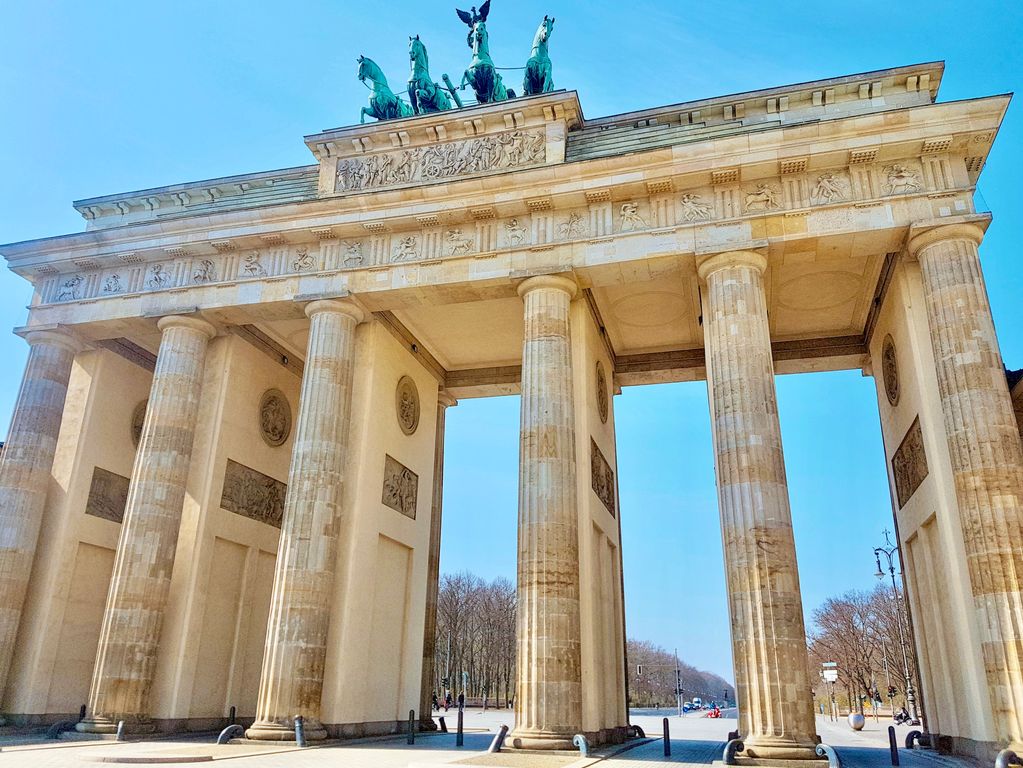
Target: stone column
768,638
548,701
986,457
444,401
25,473
296,635
130,635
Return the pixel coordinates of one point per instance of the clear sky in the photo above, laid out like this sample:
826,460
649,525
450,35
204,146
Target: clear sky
113,96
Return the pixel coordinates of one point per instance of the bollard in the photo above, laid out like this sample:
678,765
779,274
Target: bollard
231,732
667,738
411,739
443,725
584,746
459,738
81,713
893,745
120,730
733,746
1007,758
498,742
823,750
231,715
300,730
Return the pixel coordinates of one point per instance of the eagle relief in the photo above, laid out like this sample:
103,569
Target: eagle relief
482,154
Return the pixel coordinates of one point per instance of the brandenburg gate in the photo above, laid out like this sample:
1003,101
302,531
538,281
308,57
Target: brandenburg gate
222,483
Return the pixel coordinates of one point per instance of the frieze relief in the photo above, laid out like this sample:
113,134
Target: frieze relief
909,464
482,154
108,495
253,495
602,478
825,195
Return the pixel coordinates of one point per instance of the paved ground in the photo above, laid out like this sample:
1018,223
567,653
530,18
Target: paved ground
695,741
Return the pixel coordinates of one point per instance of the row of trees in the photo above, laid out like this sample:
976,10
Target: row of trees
859,631
476,648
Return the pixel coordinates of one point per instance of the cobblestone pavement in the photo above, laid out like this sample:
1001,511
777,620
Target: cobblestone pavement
695,741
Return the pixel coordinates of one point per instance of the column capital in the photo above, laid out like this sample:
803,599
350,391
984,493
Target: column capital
55,336
558,282
944,232
445,399
714,262
186,321
342,306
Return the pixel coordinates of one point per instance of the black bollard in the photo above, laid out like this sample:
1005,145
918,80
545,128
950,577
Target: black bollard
893,745
231,715
667,738
459,737
443,725
81,713
411,727
300,730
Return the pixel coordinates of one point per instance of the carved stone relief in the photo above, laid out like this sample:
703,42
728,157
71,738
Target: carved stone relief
517,234
205,272
69,289
158,278
830,188
909,464
406,249
459,244
138,418
274,417
602,478
573,226
630,218
901,180
108,495
353,254
693,207
890,370
303,261
602,394
113,284
253,495
406,405
253,266
763,198
426,164
401,487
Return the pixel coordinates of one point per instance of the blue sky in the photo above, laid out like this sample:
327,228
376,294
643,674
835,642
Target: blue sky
113,96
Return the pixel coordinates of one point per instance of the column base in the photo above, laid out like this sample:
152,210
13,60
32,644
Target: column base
530,738
777,748
105,724
268,730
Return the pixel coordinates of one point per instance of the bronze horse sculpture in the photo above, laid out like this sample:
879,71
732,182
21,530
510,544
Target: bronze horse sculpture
481,74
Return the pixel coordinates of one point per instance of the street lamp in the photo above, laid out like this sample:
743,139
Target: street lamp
890,552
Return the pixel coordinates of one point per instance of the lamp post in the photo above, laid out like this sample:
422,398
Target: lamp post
890,551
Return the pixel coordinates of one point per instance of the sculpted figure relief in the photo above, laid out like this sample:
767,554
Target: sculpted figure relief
303,261
425,164
829,188
459,243
693,207
401,486
253,267
901,180
631,220
353,254
113,284
69,289
515,231
406,249
573,226
206,272
763,198
158,277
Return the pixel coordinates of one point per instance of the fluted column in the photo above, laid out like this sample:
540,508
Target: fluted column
548,701
768,638
986,457
296,635
426,689
25,473
132,622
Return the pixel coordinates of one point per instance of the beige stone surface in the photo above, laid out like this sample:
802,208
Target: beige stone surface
548,700
25,473
296,647
768,636
133,619
986,456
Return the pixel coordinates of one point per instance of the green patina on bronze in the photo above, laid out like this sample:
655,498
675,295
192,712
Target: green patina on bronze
426,96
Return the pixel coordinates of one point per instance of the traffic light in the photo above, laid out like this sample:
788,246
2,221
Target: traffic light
445,682
891,691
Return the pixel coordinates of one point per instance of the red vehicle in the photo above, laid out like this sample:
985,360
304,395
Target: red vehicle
716,712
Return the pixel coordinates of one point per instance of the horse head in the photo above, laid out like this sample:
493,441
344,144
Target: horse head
543,32
368,70
417,53
479,39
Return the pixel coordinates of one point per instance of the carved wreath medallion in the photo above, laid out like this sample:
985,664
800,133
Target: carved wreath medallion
406,404
274,417
890,370
138,418
602,396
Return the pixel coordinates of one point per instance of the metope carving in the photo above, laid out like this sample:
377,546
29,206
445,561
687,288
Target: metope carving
274,417
763,198
459,244
909,464
113,284
401,487
406,249
303,261
353,254
253,266
901,180
693,207
108,495
158,278
572,227
253,495
830,188
482,154
890,370
602,478
205,272
69,289
517,234
630,218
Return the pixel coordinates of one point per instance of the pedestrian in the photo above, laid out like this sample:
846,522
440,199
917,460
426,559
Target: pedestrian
484,701
433,700
447,700
461,699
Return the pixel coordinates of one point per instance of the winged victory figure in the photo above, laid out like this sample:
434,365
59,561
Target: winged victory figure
472,16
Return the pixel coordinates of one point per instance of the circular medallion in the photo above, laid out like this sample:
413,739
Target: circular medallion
406,403
890,370
602,396
274,417
138,418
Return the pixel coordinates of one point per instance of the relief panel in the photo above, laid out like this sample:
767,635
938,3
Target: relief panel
909,464
602,478
252,494
401,487
108,495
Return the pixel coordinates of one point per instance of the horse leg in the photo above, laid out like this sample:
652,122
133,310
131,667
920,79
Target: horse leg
362,115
